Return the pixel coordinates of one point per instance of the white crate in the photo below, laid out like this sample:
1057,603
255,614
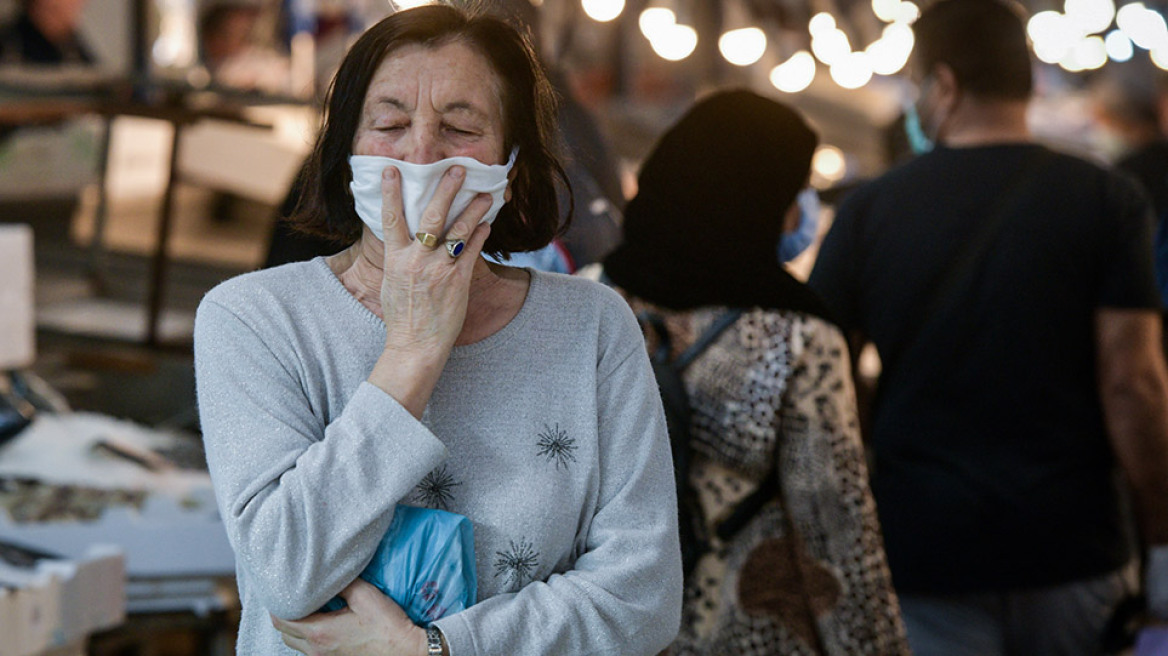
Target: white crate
60,602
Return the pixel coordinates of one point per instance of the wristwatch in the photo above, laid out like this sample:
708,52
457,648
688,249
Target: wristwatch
433,641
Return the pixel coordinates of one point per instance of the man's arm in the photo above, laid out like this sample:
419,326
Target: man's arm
1133,384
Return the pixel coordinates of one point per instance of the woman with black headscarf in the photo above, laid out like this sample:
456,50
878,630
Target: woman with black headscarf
773,432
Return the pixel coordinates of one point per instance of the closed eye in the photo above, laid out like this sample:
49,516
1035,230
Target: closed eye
459,131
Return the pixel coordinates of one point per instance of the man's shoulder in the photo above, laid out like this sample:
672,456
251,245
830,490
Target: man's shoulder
939,168
906,182
910,173
1155,152
1074,163
1084,176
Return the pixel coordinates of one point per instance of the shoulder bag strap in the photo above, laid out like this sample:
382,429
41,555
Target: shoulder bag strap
724,321
963,266
664,343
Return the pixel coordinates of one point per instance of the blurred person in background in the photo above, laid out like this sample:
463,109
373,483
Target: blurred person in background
1129,100
225,31
1010,293
232,52
773,433
45,32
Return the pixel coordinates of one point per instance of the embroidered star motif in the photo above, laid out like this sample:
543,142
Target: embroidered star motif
436,489
518,564
555,444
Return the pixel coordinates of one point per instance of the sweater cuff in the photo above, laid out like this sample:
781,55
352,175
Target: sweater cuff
371,411
457,633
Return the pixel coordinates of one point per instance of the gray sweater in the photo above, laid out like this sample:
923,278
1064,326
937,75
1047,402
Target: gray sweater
548,435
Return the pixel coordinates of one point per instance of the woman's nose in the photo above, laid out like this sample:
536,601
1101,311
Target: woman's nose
421,147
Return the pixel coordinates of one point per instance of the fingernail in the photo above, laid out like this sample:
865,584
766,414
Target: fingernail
388,173
457,171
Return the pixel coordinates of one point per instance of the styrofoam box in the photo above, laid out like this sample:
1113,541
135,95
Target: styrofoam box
64,601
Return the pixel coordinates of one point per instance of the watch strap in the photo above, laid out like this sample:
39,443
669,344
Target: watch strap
433,641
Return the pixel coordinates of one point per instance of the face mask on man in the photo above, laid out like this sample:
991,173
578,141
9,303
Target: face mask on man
792,244
918,140
419,182
914,124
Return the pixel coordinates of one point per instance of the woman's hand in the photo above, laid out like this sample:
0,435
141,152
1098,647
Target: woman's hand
371,625
424,291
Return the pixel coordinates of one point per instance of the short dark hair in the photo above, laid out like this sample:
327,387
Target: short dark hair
530,220
982,41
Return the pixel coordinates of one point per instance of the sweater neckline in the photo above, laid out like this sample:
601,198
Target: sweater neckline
493,341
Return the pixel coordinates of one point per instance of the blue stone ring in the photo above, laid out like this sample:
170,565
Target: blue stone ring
455,247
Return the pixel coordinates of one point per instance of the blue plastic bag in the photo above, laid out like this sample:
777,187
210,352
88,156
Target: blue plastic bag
425,563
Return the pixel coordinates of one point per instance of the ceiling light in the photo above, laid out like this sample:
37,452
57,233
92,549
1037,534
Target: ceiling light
743,47
675,43
795,74
603,11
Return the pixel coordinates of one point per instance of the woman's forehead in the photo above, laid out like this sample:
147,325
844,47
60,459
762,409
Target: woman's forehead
453,76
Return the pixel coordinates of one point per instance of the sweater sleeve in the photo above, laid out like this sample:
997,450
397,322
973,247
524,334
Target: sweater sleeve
623,594
824,483
304,504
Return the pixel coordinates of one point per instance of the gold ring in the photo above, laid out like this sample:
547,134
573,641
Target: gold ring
426,239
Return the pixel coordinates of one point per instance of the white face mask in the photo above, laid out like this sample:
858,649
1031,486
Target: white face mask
419,182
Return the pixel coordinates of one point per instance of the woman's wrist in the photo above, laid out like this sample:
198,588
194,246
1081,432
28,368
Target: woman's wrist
436,642
408,377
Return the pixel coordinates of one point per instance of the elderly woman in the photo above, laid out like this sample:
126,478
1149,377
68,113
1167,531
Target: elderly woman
774,438
408,369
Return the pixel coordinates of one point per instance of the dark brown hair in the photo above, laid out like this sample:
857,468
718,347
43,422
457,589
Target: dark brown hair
983,41
531,218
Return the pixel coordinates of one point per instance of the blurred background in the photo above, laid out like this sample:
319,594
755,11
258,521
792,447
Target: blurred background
150,153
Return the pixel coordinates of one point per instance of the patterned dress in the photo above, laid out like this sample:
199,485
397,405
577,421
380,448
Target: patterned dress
807,575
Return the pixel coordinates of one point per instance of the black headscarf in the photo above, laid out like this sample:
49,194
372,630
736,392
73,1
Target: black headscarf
705,224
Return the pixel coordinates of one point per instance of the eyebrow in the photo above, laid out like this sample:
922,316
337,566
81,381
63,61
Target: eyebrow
456,106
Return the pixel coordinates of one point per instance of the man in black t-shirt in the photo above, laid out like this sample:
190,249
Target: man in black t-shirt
1004,408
